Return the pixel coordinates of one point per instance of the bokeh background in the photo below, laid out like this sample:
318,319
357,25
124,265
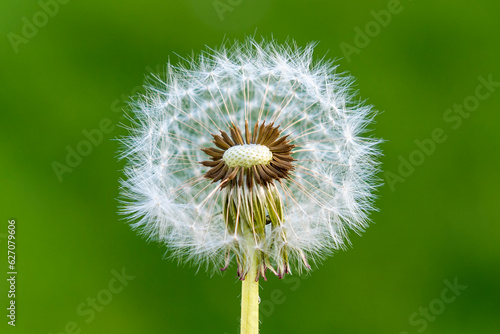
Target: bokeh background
438,222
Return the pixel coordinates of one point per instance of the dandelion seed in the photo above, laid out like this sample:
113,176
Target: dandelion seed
251,154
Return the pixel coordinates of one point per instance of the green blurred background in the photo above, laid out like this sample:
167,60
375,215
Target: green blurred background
438,222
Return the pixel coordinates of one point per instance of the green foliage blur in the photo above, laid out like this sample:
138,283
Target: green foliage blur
67,69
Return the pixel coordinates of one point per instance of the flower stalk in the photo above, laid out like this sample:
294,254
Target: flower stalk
250,301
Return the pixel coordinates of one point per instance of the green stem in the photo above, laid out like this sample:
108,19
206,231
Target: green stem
250,302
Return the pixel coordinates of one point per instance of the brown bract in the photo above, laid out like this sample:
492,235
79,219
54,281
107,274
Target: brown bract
267,135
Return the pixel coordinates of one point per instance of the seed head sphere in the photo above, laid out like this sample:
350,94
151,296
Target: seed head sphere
250,153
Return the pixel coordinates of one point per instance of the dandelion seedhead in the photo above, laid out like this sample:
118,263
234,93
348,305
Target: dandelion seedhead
251,153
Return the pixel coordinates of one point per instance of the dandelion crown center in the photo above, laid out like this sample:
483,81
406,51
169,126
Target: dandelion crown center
248,157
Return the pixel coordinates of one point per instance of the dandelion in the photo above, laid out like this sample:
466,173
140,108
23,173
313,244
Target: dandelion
251,154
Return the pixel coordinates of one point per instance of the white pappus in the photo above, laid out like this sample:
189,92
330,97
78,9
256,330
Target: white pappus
298,175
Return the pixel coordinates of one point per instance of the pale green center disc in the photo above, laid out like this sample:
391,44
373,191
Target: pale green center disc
247,155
